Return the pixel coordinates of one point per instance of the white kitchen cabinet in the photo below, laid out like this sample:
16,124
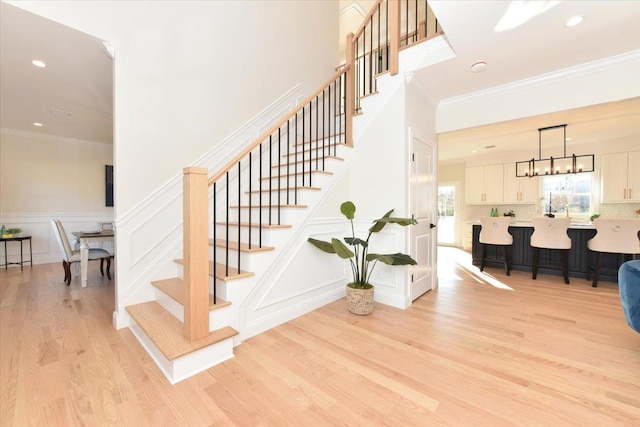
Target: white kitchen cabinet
519,190
484,184
621,177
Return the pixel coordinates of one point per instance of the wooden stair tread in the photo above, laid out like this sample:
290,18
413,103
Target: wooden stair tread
313,149
313,159
174,288
256,225
167,332
257,206
221,271
323,138
244,247
283,189
295,174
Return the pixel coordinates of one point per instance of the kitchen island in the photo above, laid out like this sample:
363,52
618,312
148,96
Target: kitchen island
580,258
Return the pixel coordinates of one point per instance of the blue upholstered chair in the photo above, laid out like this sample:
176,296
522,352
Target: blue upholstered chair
629,284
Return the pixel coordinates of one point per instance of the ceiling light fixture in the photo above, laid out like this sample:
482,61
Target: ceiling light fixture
574,20
478,66
37,124
38,63
554,166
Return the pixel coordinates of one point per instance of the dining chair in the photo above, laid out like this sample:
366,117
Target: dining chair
551,234
614,236
69,256
495,231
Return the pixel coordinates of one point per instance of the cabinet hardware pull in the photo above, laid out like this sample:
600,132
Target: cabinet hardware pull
629,194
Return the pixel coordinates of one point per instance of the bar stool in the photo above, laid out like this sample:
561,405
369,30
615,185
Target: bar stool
495,231
551,234
614,236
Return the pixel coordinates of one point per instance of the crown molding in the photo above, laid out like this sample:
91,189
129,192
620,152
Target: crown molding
616,61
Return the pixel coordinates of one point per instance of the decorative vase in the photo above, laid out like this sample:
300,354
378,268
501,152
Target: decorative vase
360,301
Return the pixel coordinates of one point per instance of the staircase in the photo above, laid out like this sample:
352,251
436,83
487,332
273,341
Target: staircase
264,196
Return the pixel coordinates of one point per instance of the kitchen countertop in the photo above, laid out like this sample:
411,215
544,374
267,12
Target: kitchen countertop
576,225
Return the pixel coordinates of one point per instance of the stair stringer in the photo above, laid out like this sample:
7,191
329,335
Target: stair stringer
273,300
252,315
153,228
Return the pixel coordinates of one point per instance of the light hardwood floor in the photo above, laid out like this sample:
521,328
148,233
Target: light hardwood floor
513,353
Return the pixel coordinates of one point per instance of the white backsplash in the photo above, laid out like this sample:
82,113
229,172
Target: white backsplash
527,212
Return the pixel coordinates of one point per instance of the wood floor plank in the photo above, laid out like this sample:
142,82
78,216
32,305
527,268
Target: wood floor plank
483,349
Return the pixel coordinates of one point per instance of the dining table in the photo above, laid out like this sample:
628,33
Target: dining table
84,238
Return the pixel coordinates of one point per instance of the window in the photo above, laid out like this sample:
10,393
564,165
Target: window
572,192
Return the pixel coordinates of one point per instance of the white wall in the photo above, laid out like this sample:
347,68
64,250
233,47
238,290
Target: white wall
44,177
187,74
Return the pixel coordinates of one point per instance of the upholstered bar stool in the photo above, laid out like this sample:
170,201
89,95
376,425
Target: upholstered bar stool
495,231
551,234
614,236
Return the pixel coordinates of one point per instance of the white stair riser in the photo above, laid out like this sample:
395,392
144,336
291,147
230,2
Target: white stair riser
186,366
302,197
217,318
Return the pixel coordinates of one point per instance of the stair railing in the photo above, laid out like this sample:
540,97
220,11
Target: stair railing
269,174
389,26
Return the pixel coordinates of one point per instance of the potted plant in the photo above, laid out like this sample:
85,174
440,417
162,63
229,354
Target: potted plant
7,233
360,291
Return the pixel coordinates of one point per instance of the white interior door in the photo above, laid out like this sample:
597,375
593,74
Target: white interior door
424,210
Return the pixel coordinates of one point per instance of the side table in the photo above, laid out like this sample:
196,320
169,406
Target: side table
22,260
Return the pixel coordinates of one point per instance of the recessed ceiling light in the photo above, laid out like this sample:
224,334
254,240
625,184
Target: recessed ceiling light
574,20
37,124
478,66
38,63
474,151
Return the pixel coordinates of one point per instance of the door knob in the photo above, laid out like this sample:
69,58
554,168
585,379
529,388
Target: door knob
432,226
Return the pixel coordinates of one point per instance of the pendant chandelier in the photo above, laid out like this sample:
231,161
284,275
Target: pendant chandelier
555,165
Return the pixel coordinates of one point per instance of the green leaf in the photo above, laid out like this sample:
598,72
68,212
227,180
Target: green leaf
348,209
323,246
341,249
399,221
392,259
379,224
356,241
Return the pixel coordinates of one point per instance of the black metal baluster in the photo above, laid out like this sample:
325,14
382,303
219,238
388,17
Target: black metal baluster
364,62
295,163
356,72
324,126
279,175
270,178
317,130
215,252
406,22
387,32
310,141
379,61
250,198
226,271
303,136
288,158
371,54
239,212
260,200
426,19
415,38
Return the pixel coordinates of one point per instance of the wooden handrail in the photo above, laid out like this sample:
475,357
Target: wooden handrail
274,128
367,18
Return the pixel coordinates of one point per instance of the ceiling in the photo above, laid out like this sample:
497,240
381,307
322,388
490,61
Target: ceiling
77,82
78,77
